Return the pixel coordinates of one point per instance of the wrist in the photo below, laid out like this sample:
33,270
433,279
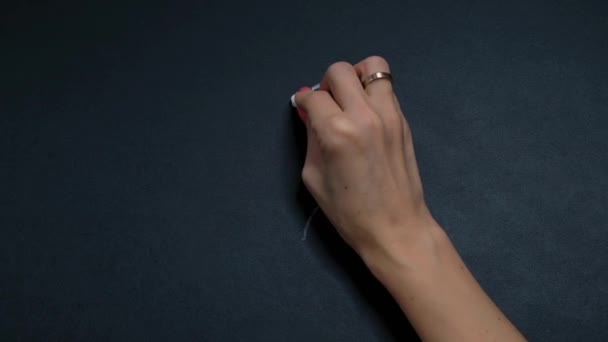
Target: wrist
411,254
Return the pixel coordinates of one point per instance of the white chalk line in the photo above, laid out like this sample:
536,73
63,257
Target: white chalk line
308,222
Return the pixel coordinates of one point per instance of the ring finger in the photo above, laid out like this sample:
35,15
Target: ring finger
379,88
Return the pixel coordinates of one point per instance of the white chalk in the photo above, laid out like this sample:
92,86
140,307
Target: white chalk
293,101
308,222
293,97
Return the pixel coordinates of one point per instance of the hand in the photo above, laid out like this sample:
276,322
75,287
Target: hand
361,169
360,165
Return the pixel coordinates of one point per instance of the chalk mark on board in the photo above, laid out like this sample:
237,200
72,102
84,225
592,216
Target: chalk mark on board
308,222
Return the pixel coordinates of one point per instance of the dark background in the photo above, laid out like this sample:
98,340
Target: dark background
151,165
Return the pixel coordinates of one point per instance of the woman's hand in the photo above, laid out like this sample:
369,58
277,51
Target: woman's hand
360,164
361,169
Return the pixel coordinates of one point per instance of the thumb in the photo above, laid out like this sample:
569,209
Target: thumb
315,106
312,145
299,108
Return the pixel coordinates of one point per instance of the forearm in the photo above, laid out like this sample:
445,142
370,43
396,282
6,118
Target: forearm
437,292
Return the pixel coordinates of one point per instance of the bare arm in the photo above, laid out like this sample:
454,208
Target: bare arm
361,168
438,293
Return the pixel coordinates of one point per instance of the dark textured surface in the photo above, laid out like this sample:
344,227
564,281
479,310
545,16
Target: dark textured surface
150,165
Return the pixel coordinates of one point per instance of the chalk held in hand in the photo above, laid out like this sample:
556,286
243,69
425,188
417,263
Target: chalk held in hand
293,97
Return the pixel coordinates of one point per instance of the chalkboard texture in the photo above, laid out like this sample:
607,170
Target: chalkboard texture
151,165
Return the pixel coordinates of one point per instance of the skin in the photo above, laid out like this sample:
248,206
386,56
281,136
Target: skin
361,169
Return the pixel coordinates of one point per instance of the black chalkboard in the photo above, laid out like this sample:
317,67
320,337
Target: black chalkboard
151,165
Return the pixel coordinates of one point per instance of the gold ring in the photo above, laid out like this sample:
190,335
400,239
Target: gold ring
376,76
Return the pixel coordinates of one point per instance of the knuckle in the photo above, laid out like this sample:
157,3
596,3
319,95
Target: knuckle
370,122
338,67
377,62
342,134
393,120
341,126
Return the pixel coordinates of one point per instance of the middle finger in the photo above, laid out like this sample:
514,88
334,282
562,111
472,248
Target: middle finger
342,82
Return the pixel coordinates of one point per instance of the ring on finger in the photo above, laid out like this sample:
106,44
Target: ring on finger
376,76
